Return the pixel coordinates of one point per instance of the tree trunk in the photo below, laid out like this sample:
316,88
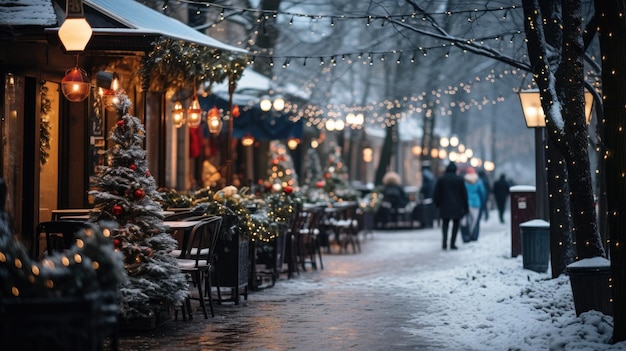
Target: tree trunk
613,48
385,154
570,85
561,245
566,127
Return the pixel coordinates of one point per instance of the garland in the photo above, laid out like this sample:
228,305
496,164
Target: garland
44,125
179,64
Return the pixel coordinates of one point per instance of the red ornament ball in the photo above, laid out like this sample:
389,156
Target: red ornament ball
148,174
327,175
268,186
133,166
139,194
117,210
320,184
121,123
117,242
148,252
288,189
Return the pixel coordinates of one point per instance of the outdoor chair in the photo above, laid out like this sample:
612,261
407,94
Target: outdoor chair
59,235
196,261
308,246
183,216
346,226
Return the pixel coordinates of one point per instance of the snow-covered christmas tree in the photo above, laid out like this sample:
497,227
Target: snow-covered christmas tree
282,173
336,178
312,167
126,193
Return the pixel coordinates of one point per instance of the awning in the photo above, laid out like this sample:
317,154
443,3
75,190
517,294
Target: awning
129,25
140,18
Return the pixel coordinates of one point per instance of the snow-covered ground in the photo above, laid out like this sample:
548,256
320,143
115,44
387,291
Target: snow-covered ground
493,290
479,297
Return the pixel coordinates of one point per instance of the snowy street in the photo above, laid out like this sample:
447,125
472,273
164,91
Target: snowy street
402,292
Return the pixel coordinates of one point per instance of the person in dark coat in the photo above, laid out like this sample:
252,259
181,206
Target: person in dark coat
393,191
450,197
501,194
425,212
484,211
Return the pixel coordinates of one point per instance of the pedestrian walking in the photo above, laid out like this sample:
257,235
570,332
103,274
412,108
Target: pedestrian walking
484,210
450,197
501,194
476,198
424,212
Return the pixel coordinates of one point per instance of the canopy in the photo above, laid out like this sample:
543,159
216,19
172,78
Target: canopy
252,121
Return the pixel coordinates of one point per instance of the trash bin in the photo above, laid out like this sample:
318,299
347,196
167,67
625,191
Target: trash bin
535,236
590,279
523,208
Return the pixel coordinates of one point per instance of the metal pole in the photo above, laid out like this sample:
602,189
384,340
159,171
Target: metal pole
541,179
229,156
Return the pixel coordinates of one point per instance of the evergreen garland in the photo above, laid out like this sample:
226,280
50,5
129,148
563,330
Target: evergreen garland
44,125
179,64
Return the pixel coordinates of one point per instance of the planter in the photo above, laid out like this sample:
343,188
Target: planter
65,323
590,280
162,314
232,266
270,256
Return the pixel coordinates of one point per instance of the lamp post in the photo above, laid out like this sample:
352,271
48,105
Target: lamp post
536,119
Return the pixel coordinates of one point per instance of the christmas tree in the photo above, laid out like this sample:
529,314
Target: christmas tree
312,167
336,178
127,193
282,173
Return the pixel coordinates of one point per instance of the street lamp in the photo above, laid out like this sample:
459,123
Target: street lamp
536,118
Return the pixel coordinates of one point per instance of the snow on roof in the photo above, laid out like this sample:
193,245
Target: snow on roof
138,18
27,13
250,80
142,18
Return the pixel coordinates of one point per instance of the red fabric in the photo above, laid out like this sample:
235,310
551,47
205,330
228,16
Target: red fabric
195,142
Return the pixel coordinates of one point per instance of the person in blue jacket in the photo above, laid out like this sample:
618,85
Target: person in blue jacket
476,196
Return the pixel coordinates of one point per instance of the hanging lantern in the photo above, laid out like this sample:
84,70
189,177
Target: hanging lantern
293,143
75,85
236,112
194,113
109,96
178,115
265,104
248,140
214,120
74,32
279,104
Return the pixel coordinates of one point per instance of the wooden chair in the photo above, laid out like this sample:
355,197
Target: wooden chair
196,261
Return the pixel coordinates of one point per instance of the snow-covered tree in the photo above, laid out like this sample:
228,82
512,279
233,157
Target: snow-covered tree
126,193
281,169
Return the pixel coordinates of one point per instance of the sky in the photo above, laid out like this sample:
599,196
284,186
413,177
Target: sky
479,297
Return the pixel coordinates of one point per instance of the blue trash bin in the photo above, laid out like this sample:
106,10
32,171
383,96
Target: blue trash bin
535,245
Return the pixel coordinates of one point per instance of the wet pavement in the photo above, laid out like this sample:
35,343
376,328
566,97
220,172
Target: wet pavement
365,301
